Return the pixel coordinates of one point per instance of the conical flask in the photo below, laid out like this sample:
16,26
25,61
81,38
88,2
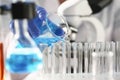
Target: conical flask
23,55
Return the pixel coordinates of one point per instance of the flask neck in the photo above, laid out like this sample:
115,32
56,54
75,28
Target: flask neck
21,28
22,35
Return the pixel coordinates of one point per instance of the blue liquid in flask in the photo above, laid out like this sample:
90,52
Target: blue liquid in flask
23,60
46,40
52,35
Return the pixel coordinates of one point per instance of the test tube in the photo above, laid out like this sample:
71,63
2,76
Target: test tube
85,62
75,58
55,58
69,57
117,49
45,59
95,60
49,60
64,57
80,58
91,51
112,68
1,62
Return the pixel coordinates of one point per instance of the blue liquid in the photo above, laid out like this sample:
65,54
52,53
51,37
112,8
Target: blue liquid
57,30
46,40
20,63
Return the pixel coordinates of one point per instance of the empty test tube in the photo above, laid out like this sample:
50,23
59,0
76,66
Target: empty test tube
64,57
75,58
80,58
109,62
117,49
68,57
85,61
95,59
54,61
91,51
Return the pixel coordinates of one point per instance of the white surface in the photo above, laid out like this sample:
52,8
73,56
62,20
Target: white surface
39,76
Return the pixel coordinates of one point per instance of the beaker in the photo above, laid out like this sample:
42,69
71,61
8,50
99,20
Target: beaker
57,30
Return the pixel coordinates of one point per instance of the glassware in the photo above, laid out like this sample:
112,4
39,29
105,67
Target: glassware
56,30
117,50
1,62
43,29
23,56
94,58
73,61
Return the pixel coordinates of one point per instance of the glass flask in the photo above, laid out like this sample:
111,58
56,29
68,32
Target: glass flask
23,55
43,29
57,30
